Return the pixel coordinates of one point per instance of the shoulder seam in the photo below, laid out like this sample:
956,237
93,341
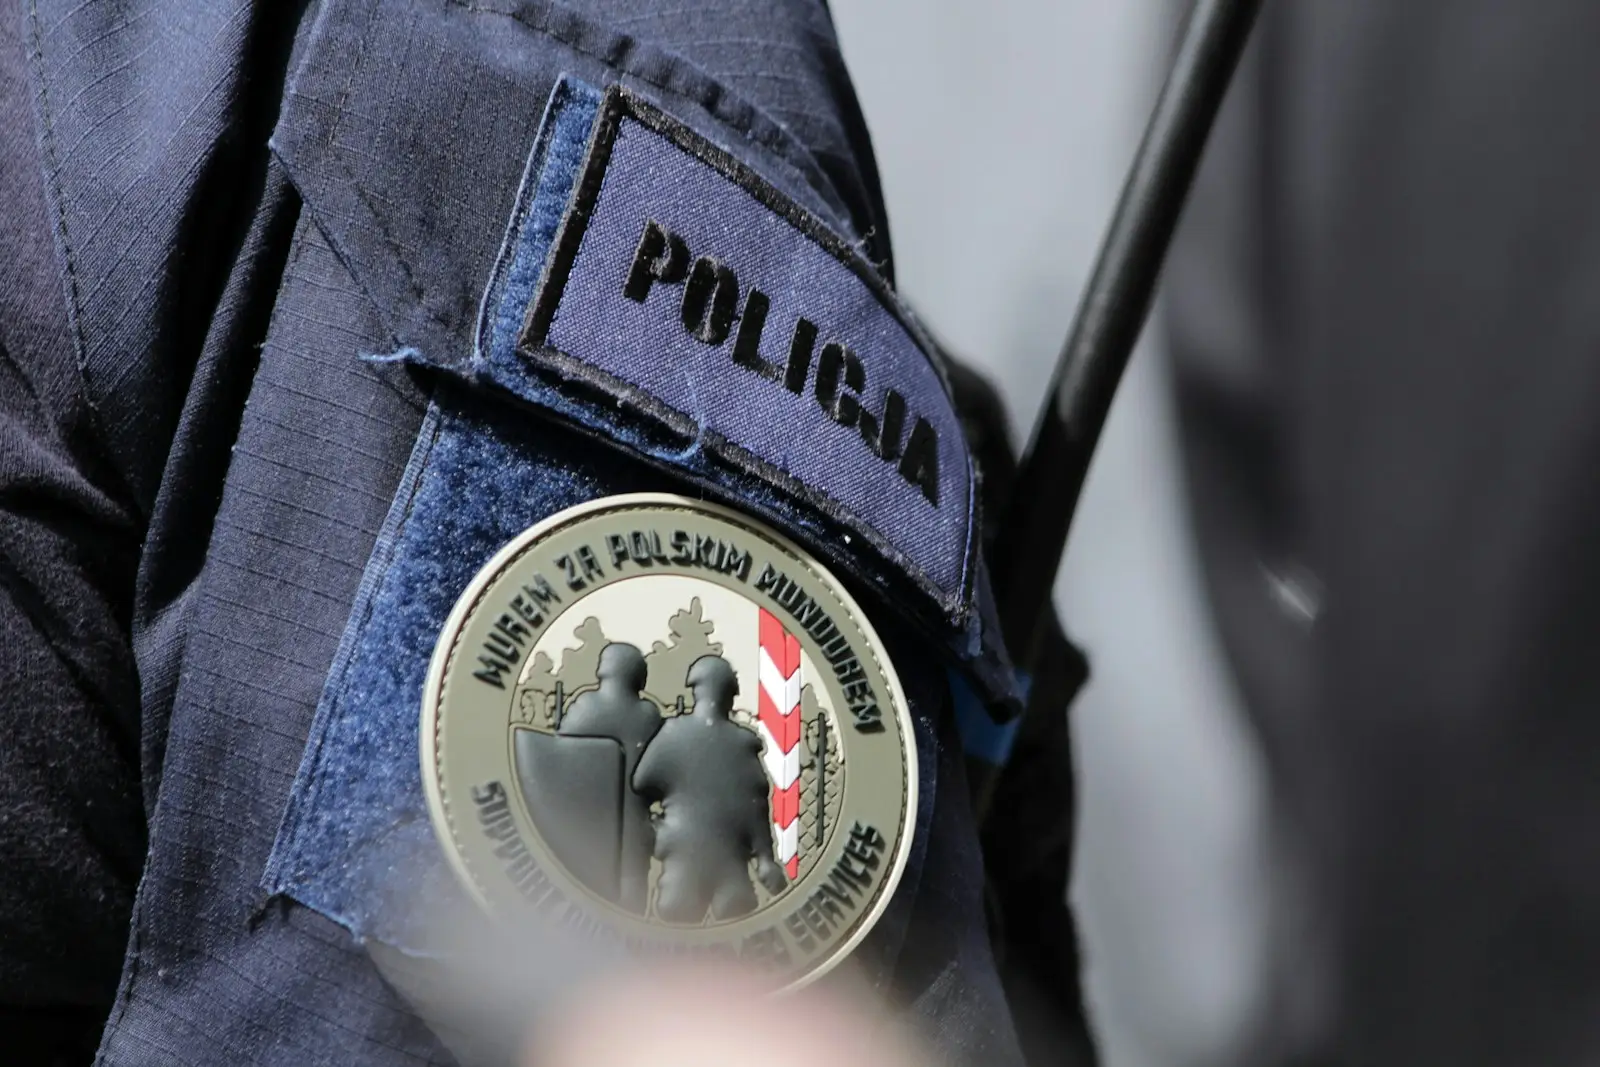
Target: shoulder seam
634,58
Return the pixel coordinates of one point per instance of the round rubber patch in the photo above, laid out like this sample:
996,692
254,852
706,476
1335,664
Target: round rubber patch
656,720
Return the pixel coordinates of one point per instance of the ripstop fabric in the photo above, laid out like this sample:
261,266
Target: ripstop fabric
222,302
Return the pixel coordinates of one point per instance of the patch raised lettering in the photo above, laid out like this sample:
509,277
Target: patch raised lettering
682,283
654,721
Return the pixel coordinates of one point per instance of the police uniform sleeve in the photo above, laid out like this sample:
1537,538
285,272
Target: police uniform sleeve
366,293
72,834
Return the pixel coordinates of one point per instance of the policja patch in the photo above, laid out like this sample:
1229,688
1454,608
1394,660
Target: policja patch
660,722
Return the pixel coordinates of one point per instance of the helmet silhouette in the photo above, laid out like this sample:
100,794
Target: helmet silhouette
624,663
713,681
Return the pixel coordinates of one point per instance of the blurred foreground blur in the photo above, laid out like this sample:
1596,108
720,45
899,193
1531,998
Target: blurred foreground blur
703,1017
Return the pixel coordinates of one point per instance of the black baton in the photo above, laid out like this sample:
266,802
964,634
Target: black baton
1033,534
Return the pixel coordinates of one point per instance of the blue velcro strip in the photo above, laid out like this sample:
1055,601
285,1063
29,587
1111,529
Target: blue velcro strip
356,842
674,280
547,186
981,737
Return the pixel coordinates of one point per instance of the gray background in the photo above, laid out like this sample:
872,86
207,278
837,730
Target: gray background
1003,129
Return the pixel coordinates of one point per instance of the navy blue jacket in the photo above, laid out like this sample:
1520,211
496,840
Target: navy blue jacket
245,260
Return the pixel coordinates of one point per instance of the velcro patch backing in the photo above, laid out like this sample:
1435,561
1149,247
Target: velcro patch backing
685,286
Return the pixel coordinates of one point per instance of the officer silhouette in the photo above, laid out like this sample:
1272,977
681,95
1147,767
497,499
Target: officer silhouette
617,711
706,771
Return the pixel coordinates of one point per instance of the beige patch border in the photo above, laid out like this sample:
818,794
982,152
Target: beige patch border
485,580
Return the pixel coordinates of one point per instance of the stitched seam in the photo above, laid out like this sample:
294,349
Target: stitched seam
341,108
134,956
395,248
711,95
74,300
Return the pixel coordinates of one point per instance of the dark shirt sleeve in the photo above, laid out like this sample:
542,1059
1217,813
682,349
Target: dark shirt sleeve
1385,325
72,832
